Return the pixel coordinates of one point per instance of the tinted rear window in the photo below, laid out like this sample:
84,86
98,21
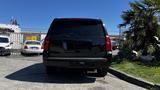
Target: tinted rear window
32,43
78,29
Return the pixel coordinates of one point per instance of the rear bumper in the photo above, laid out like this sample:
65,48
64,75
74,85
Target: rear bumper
77,63
29,51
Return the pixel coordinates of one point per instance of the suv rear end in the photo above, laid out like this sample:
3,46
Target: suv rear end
78,44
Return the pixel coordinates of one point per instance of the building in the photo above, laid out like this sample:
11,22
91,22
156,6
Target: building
114,37
33,36
9,28
13,26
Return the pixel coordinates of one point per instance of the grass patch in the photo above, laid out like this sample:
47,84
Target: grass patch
136,69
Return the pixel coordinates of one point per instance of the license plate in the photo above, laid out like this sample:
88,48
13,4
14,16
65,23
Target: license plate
34,48
82,63
77,63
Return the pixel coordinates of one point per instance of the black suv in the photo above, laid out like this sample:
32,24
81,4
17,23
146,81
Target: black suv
77,43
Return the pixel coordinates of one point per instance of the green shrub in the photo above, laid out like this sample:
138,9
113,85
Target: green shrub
151,49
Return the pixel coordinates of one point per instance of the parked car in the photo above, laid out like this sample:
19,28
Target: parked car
5,45
42,41
77,44
115,45
31,47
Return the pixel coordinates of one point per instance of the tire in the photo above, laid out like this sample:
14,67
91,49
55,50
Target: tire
23,54
49,70
8,54
102,72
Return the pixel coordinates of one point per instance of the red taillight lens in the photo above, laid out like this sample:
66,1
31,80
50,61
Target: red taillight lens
25,47
46,44
42,47
108,44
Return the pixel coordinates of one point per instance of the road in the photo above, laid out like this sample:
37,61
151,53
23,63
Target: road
28,73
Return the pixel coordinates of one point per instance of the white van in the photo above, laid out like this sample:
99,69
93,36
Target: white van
5,45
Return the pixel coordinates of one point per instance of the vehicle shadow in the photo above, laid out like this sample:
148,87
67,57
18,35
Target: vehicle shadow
36,73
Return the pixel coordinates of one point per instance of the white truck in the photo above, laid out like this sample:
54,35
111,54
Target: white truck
5,45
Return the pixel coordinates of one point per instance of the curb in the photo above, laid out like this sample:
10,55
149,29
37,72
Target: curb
134,80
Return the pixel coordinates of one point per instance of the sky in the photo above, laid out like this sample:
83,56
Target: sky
37,15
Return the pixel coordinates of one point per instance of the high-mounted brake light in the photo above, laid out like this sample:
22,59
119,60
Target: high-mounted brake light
108,44
72,18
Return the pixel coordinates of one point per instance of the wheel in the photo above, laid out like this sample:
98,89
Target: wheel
8,54
23,53
49,70
102,72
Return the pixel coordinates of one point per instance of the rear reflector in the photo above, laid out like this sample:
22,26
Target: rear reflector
108,44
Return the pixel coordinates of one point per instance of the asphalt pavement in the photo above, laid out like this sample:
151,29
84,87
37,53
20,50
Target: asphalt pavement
28,73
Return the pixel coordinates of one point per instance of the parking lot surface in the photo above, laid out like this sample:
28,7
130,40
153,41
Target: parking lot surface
28,73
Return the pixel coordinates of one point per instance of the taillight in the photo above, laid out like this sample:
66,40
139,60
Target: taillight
46,44
25,47
108,44
42,47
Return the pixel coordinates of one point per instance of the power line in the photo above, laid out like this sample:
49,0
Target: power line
42,28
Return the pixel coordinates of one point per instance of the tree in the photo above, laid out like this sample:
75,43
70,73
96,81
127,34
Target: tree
141,23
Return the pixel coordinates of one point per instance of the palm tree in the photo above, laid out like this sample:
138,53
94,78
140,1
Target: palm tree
141,23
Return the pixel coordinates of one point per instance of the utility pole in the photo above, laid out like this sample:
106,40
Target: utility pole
120,31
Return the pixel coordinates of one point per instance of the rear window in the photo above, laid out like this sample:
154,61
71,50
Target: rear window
32,43
4,40
78,29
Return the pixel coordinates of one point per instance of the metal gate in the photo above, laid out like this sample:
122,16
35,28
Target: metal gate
18,38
